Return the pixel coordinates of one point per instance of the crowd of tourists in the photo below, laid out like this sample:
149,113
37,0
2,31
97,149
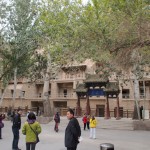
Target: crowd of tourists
32,128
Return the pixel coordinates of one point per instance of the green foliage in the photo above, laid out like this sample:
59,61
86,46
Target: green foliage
103,30
20,39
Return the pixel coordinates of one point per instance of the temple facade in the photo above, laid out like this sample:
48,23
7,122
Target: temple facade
64,89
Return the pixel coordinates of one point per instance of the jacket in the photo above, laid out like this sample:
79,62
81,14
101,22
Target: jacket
30,135
57,118
84,119
1,118
17,121
93,123
72,133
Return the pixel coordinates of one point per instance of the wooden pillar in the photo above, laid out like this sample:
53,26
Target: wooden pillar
118,109
107,111
78,108
88,109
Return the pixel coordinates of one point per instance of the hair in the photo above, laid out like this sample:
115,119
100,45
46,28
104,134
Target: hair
93,117
71,111
19,109
31,116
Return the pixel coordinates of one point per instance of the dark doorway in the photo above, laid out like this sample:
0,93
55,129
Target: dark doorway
121,112
39,105
100,110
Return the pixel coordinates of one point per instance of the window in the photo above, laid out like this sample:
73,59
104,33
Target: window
142,92
49,93
40,94
12,92
23,93
2,90
65,92
125,93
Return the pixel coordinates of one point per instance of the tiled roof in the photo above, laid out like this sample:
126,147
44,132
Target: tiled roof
73,68
81,88
96,78
112,87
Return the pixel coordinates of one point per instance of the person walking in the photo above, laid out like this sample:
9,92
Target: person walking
93,123
31,129
57,121
15,128
2,116
72,132
84,119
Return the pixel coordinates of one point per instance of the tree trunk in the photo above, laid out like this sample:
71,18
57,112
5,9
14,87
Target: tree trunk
14,90
136,113
46,102
2,97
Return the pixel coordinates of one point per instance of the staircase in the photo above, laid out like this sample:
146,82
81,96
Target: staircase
112,124
122,124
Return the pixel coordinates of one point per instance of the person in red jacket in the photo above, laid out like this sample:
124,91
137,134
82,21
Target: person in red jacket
84,119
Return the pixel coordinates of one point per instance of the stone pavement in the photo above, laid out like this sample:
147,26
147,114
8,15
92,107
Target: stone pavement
50,140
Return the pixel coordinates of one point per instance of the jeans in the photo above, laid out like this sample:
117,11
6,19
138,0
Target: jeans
30,146
56,127
72,148
84,126
88,125
15,138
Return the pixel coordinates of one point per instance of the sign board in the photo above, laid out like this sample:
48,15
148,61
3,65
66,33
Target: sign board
146,114
95,92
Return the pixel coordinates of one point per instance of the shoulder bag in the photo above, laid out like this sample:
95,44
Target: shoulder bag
37,138
1,124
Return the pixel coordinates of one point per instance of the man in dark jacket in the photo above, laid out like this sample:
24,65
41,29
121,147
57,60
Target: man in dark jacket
15,128
72,132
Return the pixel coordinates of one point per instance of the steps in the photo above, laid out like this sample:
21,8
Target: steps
112,124
122,124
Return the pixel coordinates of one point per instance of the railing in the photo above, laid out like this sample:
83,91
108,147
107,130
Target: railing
144,96
65,95
33,96
125,96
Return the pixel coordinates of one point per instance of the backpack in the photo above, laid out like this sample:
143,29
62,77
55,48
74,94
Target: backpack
56,118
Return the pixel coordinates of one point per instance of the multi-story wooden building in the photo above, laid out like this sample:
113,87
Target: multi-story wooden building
62,93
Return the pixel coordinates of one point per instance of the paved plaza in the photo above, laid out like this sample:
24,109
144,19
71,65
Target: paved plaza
50,140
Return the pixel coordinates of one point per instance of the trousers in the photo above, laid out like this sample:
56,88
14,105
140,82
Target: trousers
72,148
15,138
30,146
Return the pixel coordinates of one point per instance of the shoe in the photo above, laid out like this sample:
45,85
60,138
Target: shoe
0,138
16,149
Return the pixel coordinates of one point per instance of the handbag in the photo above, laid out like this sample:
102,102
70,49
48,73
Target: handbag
37,137
1,124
